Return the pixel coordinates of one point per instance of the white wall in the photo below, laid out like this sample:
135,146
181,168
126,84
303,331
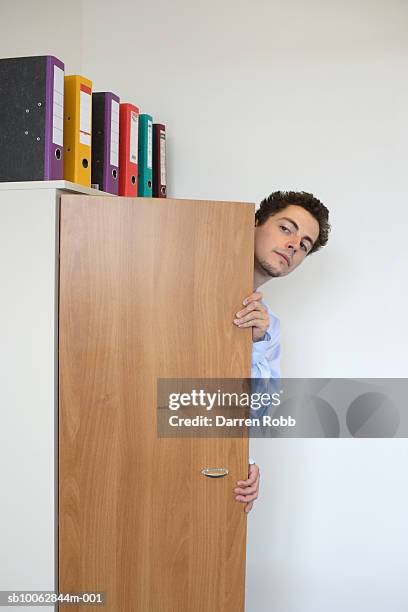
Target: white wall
267,95
44,27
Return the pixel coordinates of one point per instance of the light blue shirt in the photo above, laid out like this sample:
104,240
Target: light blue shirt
265,361
266,353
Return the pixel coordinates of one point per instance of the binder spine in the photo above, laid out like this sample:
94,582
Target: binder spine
77,129
159,161
54,120
145,181
29,151
128,149
98,114
111,144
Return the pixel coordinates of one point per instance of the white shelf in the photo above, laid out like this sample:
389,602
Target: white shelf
65,185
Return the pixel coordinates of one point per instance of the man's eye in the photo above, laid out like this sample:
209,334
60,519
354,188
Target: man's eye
304,247
284,228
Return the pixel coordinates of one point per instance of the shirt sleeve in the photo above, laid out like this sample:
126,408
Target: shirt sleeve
266,353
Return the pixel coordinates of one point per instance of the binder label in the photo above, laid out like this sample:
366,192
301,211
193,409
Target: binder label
114,140
162,158
149,144
58,107
85,115
134,129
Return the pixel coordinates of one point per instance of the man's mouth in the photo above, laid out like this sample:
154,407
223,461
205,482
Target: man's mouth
285,257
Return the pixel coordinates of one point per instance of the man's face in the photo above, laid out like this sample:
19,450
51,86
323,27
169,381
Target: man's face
284,240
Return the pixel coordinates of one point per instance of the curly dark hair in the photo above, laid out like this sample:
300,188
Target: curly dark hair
278,200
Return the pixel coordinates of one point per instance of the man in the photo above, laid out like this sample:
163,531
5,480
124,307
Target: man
289,226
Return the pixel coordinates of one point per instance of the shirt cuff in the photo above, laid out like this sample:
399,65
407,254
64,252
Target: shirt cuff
259,348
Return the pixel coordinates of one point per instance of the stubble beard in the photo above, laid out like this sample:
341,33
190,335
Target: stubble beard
267,269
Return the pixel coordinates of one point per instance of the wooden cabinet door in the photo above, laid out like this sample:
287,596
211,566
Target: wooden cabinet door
148,289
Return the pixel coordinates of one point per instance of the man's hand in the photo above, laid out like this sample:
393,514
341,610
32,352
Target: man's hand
254,315
248,490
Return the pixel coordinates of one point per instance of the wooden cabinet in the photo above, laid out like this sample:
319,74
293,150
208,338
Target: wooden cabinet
148,289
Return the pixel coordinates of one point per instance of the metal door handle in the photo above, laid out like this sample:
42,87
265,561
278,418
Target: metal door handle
214,472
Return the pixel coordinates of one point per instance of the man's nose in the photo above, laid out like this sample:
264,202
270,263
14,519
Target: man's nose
293,244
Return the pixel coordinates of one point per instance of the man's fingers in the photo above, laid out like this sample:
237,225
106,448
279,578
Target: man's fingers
252,306
247,498
251,480
253,469
254,323
247,491
257,295
253,473
250,488
255,314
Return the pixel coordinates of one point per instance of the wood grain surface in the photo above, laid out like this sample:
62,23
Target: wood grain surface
148,289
